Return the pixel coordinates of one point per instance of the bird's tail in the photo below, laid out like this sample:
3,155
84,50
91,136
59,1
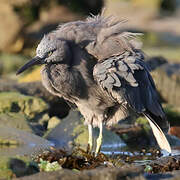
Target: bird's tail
158,133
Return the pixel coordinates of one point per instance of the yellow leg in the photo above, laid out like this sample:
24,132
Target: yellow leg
99,139
90,140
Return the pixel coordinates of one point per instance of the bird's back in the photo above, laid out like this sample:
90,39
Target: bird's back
101,36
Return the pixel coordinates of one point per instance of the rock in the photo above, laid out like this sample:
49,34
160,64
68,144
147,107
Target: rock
61,135
32,89
133,134
172,114
167,79
71,131
53,122
58,106
16,167
21,168
10,27
16,120
97,174
155,62
44,120
173,140
146,137
168,7
21,142
16,102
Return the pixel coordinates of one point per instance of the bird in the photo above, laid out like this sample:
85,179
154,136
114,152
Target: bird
99,66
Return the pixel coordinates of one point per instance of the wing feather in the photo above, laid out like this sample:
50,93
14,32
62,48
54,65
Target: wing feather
128,80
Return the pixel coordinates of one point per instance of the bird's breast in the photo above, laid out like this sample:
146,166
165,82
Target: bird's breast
47,82
60,80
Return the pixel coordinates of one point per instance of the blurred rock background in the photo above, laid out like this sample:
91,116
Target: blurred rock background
25,104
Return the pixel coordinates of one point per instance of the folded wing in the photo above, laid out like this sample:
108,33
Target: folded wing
126,78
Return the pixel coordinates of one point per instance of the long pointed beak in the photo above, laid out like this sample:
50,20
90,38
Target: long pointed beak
35,61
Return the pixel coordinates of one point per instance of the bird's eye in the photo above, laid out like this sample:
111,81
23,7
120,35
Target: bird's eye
50,53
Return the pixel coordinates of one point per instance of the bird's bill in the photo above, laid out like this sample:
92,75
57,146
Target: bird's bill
35,61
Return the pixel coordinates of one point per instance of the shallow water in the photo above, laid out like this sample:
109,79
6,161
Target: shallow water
30,144
24,143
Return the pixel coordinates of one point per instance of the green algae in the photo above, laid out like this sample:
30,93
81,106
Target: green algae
16,102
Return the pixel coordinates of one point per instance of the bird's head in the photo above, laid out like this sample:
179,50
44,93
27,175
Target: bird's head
51,50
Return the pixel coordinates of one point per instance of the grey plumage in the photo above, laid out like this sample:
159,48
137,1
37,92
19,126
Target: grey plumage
98,66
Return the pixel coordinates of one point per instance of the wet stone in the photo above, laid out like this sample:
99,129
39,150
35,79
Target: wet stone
16,102
53,122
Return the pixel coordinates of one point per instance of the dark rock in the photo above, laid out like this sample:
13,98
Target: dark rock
21,168
97,174
172,69
172,114
85,6
37,128
167,79
155,62
158,176
133,134
173,140
168,7
16,167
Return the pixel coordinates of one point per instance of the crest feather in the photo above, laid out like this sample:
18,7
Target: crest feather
112,27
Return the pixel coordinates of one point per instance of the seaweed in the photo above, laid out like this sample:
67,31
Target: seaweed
167,164
78,159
